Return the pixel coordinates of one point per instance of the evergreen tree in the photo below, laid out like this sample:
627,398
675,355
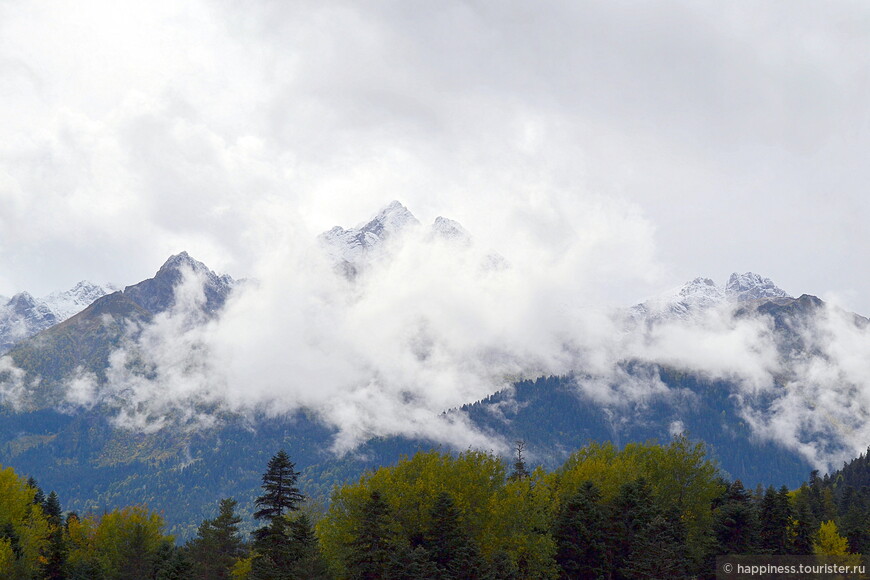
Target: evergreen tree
520,471
274,550
371,551
579,531
735,522
172,563
39,498
805,525
137,561
632,511
306,561
418,565
659,550
502,567
217,545
774,520
280,493
856,529
450,549
54,567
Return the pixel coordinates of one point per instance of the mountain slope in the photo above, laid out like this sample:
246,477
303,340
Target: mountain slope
84,342
22,316
701,294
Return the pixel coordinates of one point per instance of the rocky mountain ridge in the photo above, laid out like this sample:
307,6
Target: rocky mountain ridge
24,315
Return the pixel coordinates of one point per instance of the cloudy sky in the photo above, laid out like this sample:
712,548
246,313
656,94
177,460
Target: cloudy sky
608,150
673,138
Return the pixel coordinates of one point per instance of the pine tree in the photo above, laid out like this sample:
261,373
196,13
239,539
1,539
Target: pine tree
632,511
280,493
804,526
39,497
54,567
520,471
774,520
306,561
659,550
735,522
371,552
451,550
579,531
217,545
277,545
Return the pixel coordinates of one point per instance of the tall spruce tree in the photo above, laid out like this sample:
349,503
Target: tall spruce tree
451,550
735,522
275,550
659,550
580,534
372,553
520,471
632,511
774,522
280,493
217,544
54,567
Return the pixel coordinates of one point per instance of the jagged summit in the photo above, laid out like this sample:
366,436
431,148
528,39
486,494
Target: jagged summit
702,293
749,286
157,294
351,245
447,229
389,220
68,303
182,260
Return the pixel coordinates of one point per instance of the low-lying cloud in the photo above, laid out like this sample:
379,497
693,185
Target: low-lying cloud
425,328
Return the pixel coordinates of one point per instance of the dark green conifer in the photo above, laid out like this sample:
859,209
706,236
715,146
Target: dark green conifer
54,567
774,522
632,511
371,550
217,544
579,531
735,522
451,550
280,492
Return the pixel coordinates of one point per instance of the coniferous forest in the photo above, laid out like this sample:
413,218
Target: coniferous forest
643,511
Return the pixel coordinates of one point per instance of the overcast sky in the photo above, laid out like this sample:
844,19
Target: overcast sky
675,139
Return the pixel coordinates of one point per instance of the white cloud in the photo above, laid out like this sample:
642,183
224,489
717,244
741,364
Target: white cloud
603,149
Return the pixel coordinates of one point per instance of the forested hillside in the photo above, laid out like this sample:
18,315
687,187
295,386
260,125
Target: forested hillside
644,511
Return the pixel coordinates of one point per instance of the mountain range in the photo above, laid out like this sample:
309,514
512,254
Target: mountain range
22,316
89,459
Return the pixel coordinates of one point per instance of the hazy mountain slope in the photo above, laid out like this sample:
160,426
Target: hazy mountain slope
23,315
84,342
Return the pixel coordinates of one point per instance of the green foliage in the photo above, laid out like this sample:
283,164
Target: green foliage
775,518
123,544
679,475
280,491
217,545
454,554
24,529
735,524
580,532
373,546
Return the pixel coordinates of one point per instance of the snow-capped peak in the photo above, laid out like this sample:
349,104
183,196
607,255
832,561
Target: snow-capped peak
23,315
181,260
702,293
447,229
352,244
749,286
71,302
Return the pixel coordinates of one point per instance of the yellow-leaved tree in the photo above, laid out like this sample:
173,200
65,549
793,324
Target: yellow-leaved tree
24,528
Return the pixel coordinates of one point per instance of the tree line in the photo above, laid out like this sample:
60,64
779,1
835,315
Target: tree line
643,511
